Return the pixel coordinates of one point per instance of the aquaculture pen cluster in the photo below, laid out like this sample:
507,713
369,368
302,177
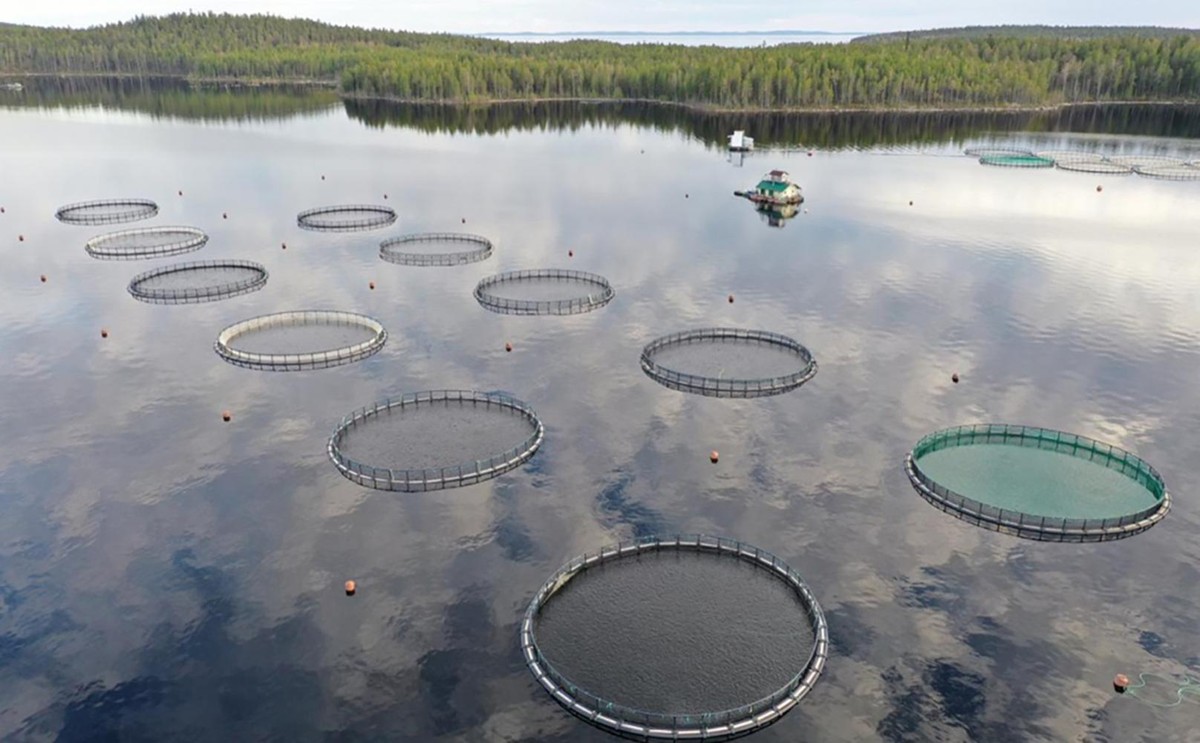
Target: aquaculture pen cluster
1081,161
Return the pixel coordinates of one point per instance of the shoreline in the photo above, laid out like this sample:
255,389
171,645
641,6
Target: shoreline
695,107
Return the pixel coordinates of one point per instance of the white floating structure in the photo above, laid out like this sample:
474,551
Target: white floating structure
739,142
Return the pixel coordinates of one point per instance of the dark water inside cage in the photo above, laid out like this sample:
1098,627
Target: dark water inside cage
200,279
301,338
435,435
728,358
677,632
165,575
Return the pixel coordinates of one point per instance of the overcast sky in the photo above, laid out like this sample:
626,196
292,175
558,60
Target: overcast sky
473,16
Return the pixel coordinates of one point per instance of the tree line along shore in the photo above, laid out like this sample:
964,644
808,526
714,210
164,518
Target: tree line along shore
982,68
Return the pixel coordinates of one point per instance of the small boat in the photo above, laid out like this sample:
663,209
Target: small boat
739,142
776,188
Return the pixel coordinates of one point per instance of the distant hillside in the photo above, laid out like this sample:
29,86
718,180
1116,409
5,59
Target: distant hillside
1005,68
1025,32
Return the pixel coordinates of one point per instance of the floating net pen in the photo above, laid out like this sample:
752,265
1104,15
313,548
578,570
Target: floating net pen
1169,172
1037,483
106,211
301,340
415,442
1094,167
435,249
799,640
198,281
346,218
547,291
996,152
1070,156
728,362
145,242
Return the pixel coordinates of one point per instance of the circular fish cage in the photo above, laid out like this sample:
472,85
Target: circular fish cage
418,442
1145,161
676,638
1095,167
435,249
346,218
1037,483
145,242
327,337
545,291
728,362
1170,172
996,152
198,281
1016,161
1070,156
106,211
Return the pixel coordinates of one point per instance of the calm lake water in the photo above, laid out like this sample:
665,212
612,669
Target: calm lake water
165,575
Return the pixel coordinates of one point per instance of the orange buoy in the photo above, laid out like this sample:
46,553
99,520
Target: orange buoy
1099,189
181,193
464,220
713,456
731,299
322,177
371,285
224,215
1,210
43,278
910,203
954,377
570,253
385,197
226,416
508,347
103,332
685,196
20,238
810,153
1120,683
283,246
351,587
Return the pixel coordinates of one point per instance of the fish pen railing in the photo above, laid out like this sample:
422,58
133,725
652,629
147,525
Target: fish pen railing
391,250
641,724
603,293
306,360
197,294
435,478
719,387
317,219
1044,528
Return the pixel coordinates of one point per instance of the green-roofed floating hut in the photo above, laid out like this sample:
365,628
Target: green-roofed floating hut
776,188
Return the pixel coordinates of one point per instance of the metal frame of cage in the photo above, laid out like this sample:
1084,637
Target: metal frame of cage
635,724
1028,526
138,209
716,387
1070,156
387,216
1094,167
196,239
198,294
573,306
996,152
482,250
1169,172
300,361
440,478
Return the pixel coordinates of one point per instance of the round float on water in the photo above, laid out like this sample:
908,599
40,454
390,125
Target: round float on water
1097,167
546,291
145,242
198,281
1037,483
435,249
1169,172
346,218
677,638
995,152
106,211
728,362
1016,161
435,440
301,340
1070,156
